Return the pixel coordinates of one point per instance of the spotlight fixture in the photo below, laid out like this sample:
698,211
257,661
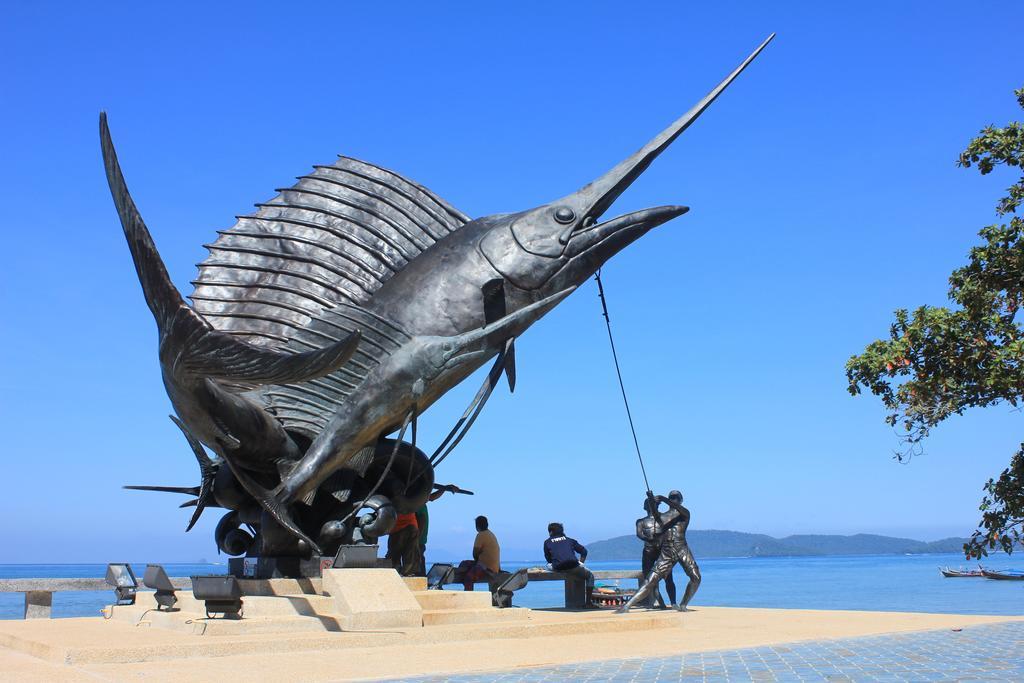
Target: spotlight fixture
501,593
440,573
157,579
221,593
122,578
356,557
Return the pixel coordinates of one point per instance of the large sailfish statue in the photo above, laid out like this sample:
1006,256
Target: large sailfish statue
339,312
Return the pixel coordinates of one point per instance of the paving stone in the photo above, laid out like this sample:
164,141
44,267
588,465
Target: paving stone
994,652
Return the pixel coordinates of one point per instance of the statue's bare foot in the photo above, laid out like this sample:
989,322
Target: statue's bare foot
684,608
622,610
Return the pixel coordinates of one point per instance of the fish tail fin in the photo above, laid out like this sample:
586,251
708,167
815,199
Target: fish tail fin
162,297
207,472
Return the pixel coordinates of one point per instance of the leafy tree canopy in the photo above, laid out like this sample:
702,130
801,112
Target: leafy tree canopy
940,361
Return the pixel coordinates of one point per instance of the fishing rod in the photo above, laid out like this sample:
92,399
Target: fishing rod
618,372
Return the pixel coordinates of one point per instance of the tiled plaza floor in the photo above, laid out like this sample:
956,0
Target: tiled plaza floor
981,653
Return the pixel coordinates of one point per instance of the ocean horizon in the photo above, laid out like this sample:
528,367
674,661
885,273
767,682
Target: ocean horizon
886,583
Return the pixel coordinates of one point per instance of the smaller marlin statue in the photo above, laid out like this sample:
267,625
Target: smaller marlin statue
337,314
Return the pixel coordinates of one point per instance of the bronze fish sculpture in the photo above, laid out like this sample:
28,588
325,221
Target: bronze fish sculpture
340,311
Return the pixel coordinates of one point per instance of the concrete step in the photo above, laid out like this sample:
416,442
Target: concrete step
146,600
256,606
201,626
308,586
415,583
261,625
287,605
431,600
444,617
94,640
250,624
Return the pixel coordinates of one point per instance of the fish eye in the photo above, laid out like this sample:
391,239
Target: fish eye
565,215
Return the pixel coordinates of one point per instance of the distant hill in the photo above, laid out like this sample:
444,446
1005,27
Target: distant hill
713,543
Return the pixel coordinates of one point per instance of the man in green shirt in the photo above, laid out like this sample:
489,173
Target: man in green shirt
423,519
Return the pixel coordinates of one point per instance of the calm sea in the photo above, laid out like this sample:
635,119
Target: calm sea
893,583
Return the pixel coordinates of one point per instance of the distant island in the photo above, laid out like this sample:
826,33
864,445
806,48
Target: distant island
713,543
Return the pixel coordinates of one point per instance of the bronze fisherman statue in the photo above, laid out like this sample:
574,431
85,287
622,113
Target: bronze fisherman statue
647,531
670,536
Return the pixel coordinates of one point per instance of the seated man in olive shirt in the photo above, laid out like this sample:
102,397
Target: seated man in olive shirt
486,560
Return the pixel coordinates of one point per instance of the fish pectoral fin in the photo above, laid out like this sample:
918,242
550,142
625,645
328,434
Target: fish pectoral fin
510,365
284,470
222,356
494,335
496,308
342,495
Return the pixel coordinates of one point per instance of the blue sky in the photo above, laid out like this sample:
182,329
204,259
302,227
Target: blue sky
823,194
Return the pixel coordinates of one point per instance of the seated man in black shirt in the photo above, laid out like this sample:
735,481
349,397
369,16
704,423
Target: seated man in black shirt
560,552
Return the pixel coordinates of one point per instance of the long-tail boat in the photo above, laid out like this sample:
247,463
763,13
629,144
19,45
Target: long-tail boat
960,573
1004,575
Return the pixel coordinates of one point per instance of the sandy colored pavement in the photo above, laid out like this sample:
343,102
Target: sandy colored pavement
348,656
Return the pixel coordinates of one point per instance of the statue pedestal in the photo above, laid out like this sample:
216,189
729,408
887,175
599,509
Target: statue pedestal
277,567
292,567
371,598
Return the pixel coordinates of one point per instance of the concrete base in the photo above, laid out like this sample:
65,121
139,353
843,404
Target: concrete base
92,649
277,567
307,586
288,567
38,604
371,599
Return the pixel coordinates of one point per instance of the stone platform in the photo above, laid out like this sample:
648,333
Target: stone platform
94,649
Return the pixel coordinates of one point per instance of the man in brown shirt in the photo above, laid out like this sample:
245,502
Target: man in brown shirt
486,560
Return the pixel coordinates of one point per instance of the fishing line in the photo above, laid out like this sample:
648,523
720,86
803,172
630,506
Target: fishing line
618,372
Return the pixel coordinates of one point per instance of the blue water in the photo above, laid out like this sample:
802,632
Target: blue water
893,583
888,583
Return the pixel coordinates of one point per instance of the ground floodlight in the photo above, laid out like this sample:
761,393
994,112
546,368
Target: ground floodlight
221,593
356,557
501,593
440,573
122,578
157,579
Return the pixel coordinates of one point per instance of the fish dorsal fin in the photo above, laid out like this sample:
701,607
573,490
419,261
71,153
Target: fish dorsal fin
308,406
333,238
